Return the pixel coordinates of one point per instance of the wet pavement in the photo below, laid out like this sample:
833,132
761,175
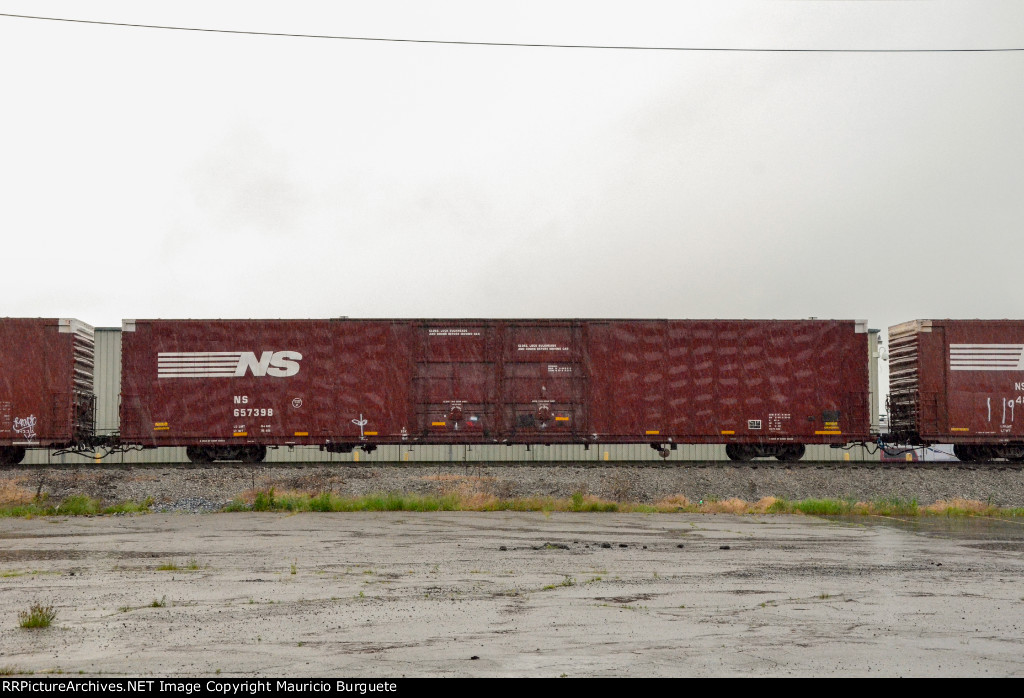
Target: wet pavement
514,594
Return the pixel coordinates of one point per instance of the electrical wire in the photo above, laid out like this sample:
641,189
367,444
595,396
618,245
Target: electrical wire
516,44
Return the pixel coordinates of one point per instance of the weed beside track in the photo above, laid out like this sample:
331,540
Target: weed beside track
444,487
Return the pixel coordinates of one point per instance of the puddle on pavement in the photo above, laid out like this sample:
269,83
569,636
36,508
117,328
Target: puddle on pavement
969,529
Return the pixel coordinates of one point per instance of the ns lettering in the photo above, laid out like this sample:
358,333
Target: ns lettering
279,364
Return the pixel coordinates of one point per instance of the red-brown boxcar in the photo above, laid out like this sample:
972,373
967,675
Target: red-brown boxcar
46,384
227,389
959,382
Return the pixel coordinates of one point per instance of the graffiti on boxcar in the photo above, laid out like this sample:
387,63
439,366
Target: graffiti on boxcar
1009,403
1007,417
26,426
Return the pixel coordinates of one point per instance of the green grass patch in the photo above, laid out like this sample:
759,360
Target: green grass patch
894,506
75,505
79,505
580,502
321,502
265,501
822,507
269,500
237,505
9,670
22,573
130,507
327,502
172,566
37,616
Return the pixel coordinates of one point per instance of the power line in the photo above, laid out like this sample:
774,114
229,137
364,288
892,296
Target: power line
518,44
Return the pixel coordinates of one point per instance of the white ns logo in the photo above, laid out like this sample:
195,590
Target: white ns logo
279,364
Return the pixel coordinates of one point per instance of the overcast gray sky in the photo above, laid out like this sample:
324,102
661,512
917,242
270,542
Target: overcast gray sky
155,173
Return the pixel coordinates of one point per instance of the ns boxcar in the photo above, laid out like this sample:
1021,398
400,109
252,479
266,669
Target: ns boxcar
46,385
228,389
959,382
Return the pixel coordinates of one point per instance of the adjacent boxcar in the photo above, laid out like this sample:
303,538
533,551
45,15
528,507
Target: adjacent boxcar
228,389
46,385
959,382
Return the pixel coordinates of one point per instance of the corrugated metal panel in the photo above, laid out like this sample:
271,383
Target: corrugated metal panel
559,453
108,379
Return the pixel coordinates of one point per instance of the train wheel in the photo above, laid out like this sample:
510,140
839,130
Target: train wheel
11,455
197,454
1012,453
791,452
964,453
738,452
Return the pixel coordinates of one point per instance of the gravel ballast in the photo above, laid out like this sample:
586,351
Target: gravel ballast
208,488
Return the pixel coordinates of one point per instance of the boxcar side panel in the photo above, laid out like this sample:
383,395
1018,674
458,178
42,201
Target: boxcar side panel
262,381
37,383
365,397
277,382
543,381
454,384
972,381
628,373
721,381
